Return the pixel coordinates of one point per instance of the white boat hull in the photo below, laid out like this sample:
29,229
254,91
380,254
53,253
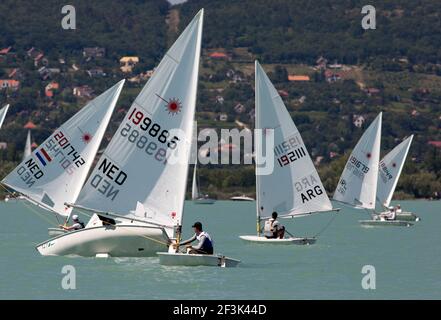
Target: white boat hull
285,241
123,240
53,232
407,216
384,223
241,198
204,201
192,260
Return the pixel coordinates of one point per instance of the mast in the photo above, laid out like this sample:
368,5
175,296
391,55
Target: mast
3,112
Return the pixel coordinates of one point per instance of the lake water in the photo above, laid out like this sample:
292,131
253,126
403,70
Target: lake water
407,260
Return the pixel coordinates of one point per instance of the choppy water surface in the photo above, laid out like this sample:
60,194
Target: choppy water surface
407,260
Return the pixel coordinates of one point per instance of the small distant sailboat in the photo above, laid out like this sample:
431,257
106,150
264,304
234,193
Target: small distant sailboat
55,172
197,199
294,188
357,186
28,147
3,112
389,173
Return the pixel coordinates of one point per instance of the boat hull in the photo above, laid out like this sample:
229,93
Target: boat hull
53,232
407,216
204,201
241,199
193,260
123,240
285,241
385,223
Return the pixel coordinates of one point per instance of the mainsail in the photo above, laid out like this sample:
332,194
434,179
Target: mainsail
147,159
3,112
358,182
194,186
294,187
390,171
28,149
54,173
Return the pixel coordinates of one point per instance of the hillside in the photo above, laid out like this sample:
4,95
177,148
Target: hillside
349,75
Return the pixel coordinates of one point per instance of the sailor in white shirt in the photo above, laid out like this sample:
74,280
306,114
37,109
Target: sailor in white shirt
273,229
205,245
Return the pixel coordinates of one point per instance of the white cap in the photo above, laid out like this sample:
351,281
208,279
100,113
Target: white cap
74,217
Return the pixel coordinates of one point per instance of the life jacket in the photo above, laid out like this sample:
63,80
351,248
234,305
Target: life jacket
82,224
207,246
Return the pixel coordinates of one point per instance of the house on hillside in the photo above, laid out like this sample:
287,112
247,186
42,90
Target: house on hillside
239,108
5,51
358,120
127,63
95,52
49,89
16,74
9,84
96,73
220,99
372,91
219,55
46,73
436,144
283,93
29,125
83,91
3,145
223,117
321,63
293,77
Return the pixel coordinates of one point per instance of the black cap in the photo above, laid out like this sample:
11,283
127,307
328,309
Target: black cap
197,225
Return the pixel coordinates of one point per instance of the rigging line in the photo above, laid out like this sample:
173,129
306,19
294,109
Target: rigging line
105,222
326,226
29,199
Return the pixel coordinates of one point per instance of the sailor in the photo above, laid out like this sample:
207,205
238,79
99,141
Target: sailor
77,224
205,245
390,215
398,209
273,229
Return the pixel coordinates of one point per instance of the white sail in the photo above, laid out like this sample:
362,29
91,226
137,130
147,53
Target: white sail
358,182
390,171
194,186
294,187
55,172
28,148
3,112
136,166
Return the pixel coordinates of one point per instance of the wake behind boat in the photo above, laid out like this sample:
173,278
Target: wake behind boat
293,187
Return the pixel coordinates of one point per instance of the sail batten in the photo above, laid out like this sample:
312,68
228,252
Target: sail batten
358,182
54,173
294,186
150,151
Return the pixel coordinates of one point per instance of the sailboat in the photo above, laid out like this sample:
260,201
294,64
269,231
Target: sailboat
26,153
294,188
135,194
197,199
54,173
3,112
28,149
389,173
357,186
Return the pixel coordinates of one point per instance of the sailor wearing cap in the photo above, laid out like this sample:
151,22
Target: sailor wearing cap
77,224
205,245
